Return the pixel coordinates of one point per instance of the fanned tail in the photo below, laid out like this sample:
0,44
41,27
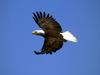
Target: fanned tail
69,36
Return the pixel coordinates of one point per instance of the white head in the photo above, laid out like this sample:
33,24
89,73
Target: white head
38,32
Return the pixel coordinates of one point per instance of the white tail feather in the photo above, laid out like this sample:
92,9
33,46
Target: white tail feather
69,36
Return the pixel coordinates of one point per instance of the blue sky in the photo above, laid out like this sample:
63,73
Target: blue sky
81,17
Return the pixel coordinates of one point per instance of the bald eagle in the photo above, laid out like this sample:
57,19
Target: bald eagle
52,33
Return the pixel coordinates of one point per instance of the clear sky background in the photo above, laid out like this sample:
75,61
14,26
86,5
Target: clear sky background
81,17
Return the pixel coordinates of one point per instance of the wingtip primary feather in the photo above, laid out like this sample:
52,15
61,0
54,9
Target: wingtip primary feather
44,14
47,15
35,16
38,14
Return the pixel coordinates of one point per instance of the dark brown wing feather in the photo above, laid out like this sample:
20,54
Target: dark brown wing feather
46,22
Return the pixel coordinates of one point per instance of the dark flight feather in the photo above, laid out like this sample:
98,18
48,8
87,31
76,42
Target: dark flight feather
40,15
47,15
44,14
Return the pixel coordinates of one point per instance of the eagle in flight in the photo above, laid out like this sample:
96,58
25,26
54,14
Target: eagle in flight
52,33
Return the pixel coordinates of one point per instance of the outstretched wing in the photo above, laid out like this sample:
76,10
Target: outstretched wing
47,22
51,44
